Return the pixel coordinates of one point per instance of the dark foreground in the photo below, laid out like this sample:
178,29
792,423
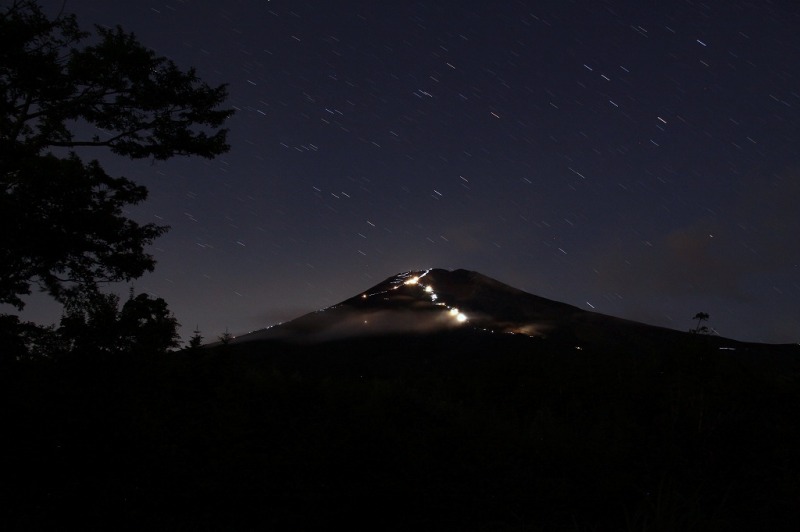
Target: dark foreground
444,432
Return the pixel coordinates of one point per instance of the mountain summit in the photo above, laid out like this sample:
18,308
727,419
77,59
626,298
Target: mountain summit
435,300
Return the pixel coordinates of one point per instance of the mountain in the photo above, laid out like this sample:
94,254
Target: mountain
496,409
435,400
438,300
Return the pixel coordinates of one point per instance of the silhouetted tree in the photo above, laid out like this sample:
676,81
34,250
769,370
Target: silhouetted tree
64,227
90,324
196,341
20,340
226,337
95,324
147,325
700,317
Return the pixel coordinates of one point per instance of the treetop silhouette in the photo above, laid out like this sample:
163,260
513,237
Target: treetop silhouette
700,317
62,221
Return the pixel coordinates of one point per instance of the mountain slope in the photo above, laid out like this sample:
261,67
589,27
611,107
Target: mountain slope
436,300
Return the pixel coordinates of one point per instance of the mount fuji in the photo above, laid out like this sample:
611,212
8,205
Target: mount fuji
435,400
431,301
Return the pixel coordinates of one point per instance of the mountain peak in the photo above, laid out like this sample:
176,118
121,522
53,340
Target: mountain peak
429,300
435,300
478,297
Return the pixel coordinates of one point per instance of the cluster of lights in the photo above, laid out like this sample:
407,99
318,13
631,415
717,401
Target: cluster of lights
459,316
414,280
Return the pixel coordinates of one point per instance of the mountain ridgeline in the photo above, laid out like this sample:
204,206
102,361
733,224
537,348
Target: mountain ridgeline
435,400
438,300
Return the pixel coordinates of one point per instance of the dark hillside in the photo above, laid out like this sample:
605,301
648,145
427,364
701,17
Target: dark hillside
458,430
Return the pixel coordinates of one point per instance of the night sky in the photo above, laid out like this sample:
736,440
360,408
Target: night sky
639,159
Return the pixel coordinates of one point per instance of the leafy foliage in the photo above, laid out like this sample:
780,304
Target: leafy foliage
93,325
63,222
22,341
96,325
64,225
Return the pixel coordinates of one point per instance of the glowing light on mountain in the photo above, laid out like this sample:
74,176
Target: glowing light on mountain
458,315
410,279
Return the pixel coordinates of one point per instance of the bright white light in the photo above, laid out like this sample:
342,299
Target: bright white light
453,311
429,289
413,280
461,318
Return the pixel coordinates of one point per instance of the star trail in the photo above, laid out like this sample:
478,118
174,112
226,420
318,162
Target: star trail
635,159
